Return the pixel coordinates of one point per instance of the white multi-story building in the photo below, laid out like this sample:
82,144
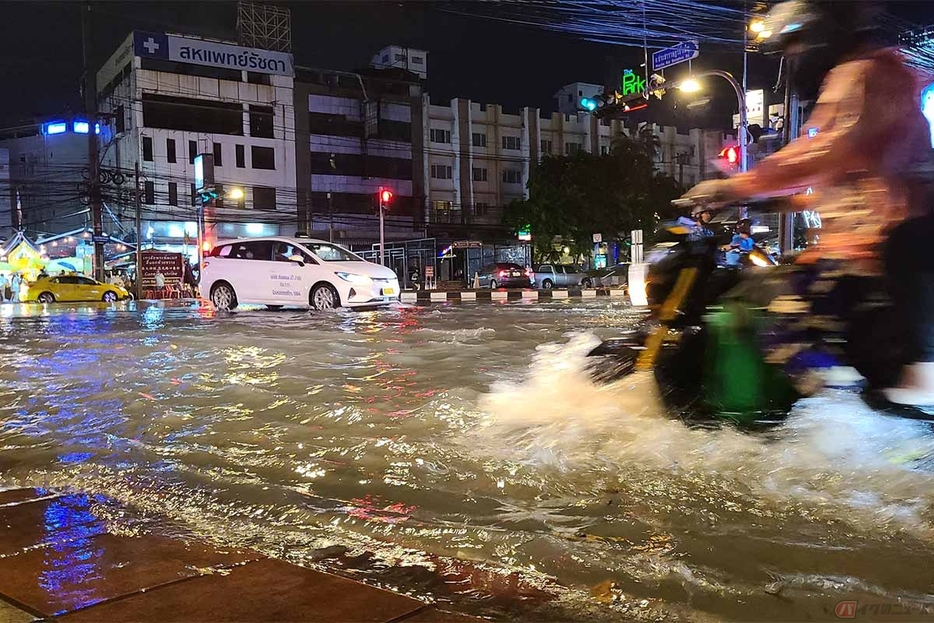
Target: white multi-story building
398,57
170,98
478,157
43,166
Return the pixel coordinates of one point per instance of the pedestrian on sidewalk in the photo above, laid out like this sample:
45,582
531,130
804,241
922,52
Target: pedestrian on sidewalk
3,288
15,284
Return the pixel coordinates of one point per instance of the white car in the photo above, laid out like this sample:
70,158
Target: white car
294,271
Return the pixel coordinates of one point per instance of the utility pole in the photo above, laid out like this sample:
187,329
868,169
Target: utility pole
139,239
786,239
90,109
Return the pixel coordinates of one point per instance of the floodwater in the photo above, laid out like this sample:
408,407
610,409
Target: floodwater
461,454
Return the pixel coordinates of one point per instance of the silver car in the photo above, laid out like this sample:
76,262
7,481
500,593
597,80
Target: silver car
548,276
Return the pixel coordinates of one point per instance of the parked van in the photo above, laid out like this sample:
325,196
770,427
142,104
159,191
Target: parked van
304,272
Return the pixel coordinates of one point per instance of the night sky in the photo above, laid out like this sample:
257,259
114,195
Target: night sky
40,51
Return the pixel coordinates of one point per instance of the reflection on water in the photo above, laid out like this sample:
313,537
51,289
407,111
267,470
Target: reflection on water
461,454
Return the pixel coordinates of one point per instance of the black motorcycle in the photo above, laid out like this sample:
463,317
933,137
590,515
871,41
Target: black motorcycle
704,335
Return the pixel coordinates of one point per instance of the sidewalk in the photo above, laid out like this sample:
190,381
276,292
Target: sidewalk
486,296
59,561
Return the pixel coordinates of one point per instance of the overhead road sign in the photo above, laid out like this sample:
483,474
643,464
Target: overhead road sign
684,51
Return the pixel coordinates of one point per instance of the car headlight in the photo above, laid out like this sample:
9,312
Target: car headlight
354,278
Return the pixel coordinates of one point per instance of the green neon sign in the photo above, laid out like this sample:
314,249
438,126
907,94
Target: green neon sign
632,84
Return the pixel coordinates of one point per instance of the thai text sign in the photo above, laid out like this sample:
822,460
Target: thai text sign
169,264
211,53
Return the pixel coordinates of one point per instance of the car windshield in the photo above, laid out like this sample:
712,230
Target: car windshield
332,253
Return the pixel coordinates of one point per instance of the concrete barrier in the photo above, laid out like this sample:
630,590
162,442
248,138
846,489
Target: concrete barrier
423,297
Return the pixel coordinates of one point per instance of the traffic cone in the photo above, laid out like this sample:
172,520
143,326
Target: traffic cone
476,281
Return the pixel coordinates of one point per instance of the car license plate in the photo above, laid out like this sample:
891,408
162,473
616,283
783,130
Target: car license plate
515,273
388,291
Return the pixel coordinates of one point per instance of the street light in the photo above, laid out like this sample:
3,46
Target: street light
235,193
756,26
690,86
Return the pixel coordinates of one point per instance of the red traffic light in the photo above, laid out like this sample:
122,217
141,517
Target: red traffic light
385,195
731,154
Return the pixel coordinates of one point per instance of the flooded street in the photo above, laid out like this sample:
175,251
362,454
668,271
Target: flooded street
461,454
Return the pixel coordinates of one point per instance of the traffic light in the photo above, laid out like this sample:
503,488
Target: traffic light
730,154
589,104
385,196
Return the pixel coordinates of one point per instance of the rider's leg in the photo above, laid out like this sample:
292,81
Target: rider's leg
910,269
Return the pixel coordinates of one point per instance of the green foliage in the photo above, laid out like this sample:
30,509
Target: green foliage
573,197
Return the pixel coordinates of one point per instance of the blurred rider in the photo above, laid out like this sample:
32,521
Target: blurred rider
865,150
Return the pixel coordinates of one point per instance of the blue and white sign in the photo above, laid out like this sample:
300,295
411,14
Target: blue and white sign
685,51
211,53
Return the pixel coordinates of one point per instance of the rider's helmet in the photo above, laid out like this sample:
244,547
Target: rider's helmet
744,226
815,36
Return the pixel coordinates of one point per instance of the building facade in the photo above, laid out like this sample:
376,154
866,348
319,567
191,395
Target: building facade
169,98
357,133
43,176
478,157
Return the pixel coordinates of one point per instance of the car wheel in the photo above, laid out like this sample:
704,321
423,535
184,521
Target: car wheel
223,297
587,283
46,297
110,297
493,284
324,297
548,284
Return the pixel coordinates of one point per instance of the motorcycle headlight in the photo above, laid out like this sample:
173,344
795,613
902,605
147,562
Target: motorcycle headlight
354,278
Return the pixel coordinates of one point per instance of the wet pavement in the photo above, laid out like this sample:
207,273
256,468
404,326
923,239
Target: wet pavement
62,561
458,454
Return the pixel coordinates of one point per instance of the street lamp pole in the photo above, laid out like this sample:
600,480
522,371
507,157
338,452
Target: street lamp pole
743,118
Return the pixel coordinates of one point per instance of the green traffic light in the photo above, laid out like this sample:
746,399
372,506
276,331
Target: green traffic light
588,104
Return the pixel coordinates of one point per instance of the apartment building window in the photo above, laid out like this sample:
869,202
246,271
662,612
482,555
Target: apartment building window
173,194
479,174
170,150
604,150
149,193
192,151
147,149
263,157
439,136
571,148
605,122
218,155
241,157
481,208
119,120
400,57
512,177
261,121
511,142
547,146
264,198
417,60
479,139
441,172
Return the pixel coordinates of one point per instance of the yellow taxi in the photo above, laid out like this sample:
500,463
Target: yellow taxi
69,288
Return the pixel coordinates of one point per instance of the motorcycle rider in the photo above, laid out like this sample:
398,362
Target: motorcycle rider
864,154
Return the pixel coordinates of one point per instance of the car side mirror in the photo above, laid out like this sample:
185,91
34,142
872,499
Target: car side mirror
297,259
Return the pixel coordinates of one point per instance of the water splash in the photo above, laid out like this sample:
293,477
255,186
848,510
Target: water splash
833,454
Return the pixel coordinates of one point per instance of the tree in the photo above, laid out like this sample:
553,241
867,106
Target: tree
573,197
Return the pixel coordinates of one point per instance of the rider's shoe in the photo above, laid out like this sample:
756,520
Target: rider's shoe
916,387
